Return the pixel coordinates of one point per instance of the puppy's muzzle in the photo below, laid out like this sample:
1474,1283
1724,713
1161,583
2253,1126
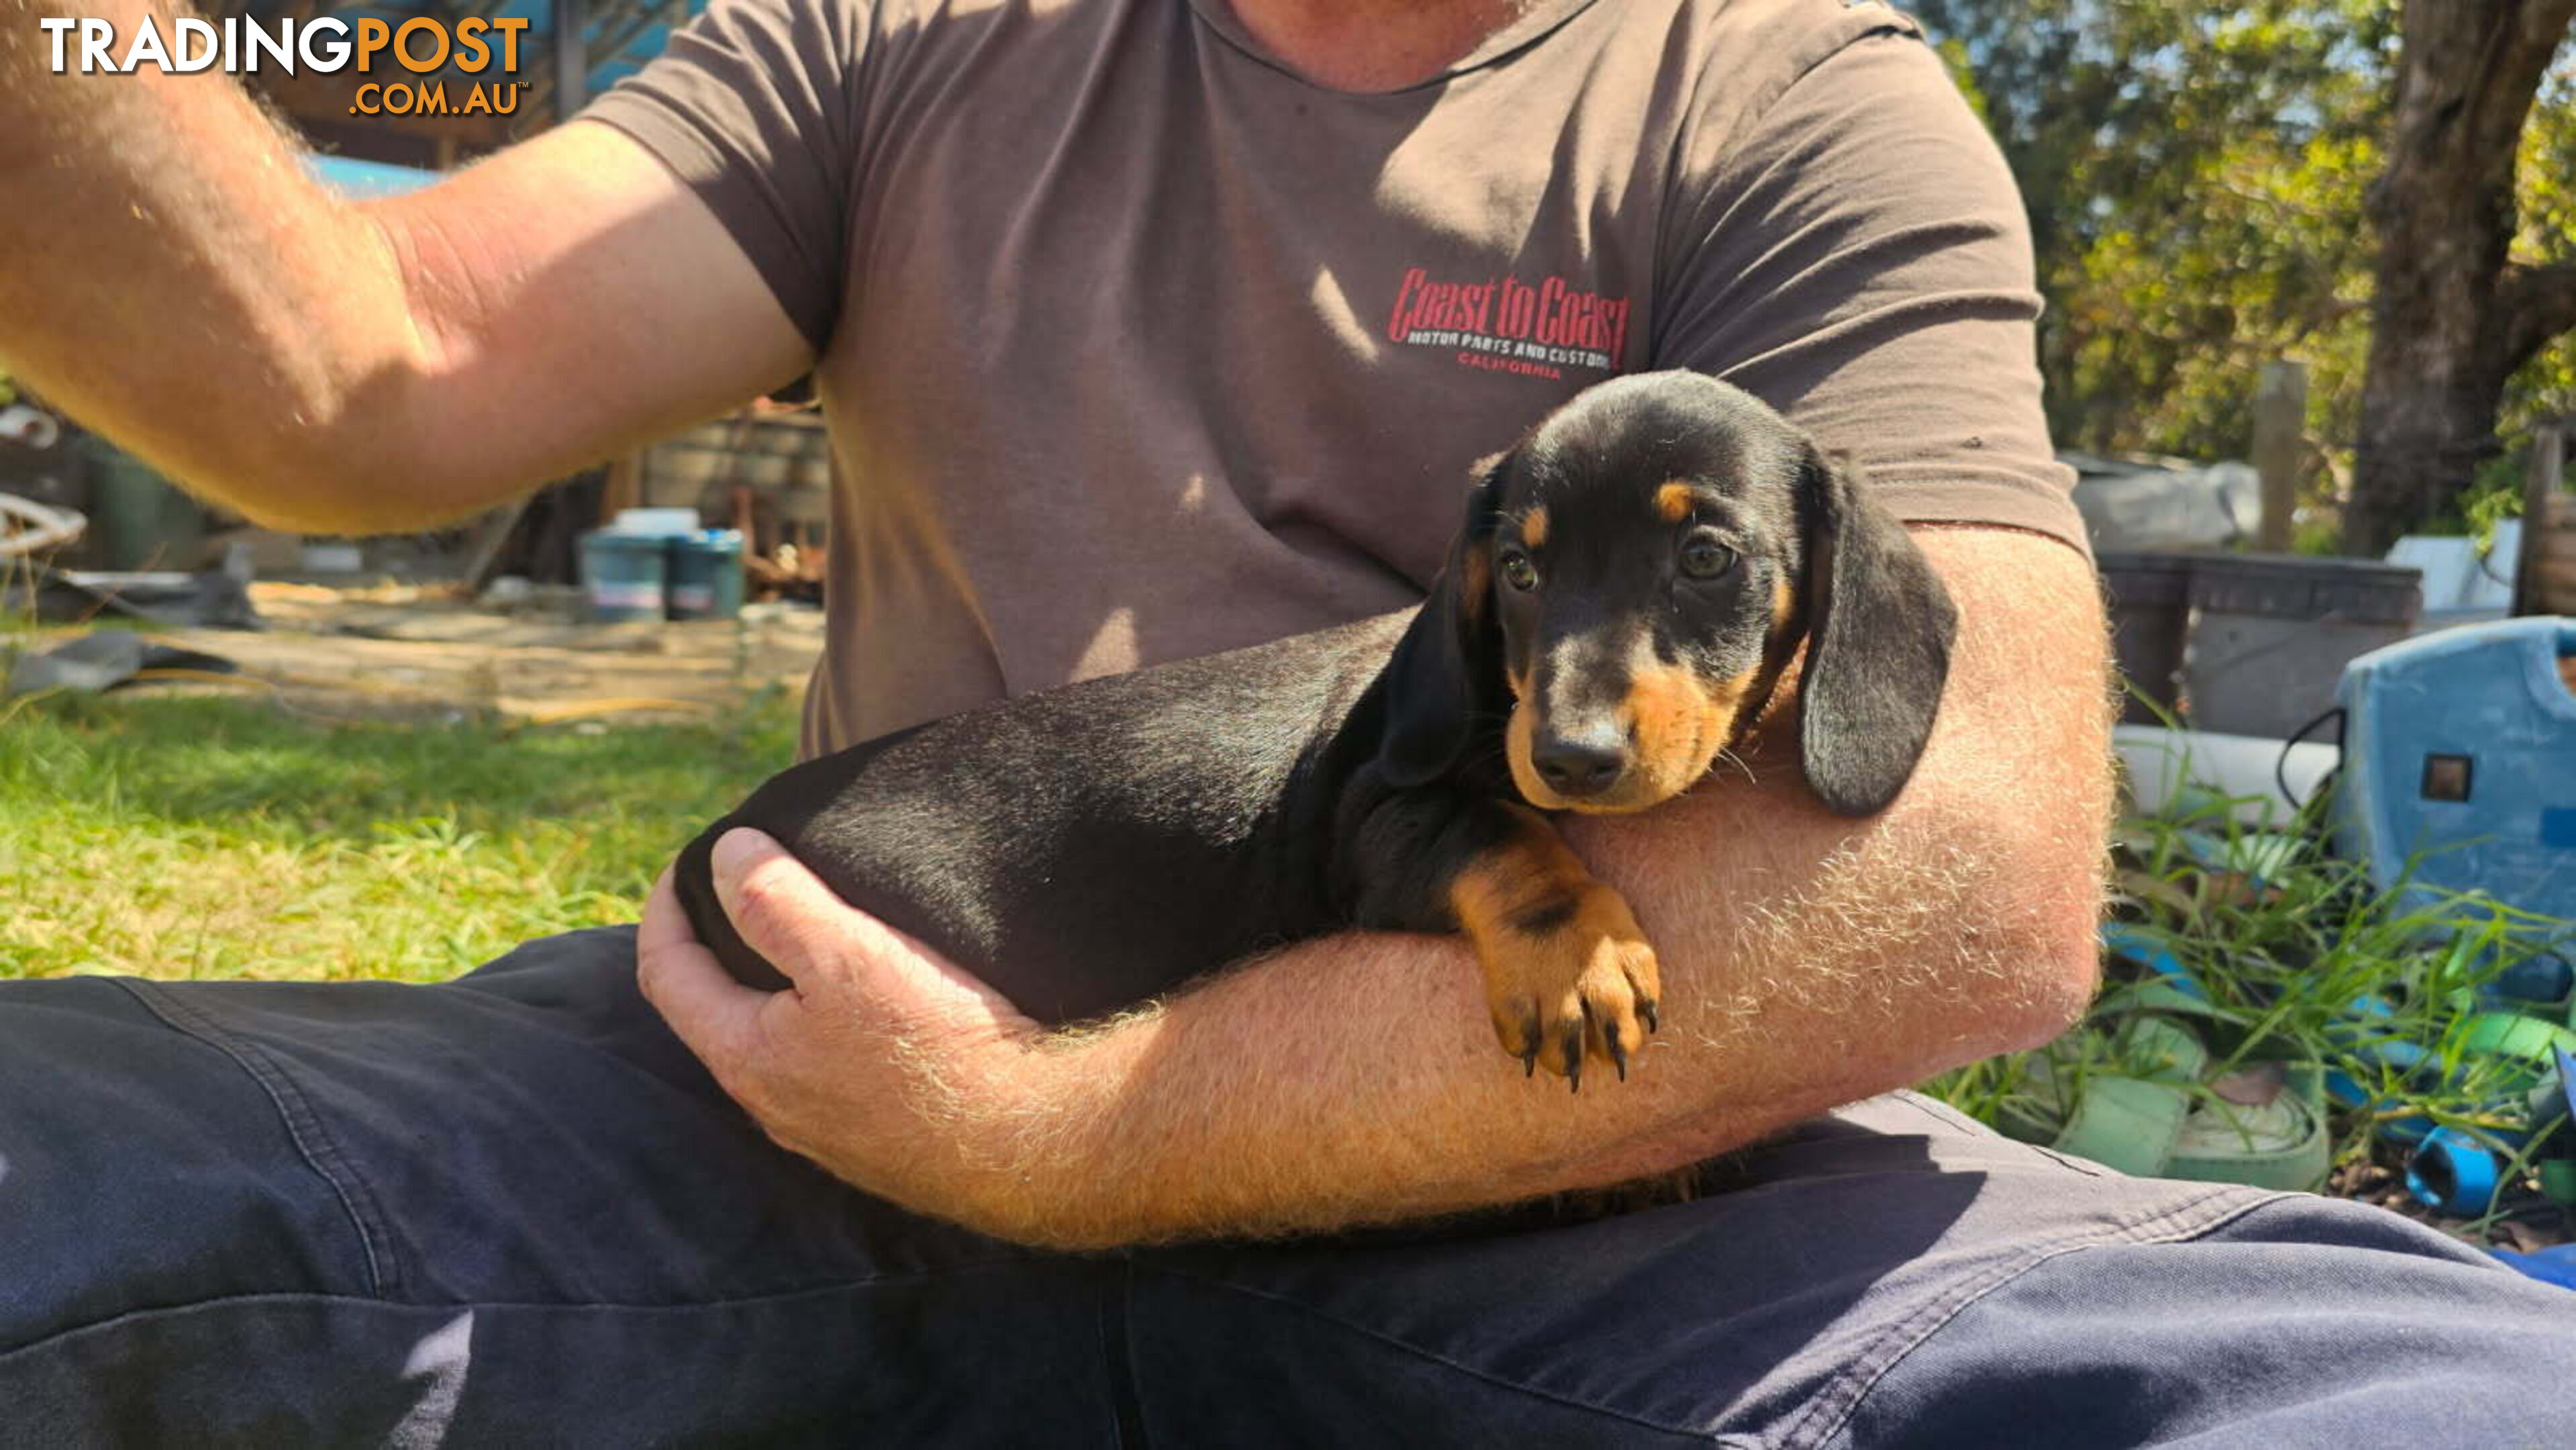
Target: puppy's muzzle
1583,762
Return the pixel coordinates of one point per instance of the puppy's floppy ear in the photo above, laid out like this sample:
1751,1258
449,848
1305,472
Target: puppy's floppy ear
1447,670
1878,645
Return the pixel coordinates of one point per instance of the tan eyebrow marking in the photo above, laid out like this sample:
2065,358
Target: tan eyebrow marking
1534,526
1674,501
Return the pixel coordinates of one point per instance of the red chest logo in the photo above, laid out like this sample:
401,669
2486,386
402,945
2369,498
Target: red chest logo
1504,324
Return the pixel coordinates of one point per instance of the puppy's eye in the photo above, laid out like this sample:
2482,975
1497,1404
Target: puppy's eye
1518,571
1706,558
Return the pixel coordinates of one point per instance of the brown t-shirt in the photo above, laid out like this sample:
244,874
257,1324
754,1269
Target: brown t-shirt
1134,345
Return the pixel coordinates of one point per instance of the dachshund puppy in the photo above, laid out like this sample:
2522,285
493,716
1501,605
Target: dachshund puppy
1630,581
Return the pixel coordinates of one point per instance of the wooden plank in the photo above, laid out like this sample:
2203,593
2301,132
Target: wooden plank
2556,579
2280,447
489,536
625,487
2534,592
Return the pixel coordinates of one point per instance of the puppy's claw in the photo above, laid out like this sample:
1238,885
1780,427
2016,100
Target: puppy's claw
1646,1010
1574,1058
1618,1053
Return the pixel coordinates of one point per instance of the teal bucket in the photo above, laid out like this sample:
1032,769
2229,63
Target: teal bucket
706,574
627,575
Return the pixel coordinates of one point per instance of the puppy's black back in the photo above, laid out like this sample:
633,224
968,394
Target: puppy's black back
1086,848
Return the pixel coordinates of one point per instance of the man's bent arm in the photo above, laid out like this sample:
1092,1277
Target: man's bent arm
1809,960
177,281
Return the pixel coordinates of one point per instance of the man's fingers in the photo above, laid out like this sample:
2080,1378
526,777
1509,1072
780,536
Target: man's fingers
716,1016
784,911
826,945
665,926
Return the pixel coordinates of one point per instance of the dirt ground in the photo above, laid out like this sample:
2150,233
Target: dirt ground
402,649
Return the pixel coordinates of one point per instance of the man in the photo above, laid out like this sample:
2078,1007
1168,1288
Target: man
1147,328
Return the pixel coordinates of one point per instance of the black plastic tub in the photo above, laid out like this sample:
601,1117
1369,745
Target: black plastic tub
2250,644
2149,596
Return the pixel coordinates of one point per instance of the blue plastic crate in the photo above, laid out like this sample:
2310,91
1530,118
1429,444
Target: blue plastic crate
2461,745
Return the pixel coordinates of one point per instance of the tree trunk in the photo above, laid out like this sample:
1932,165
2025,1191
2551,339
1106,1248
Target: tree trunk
2451,319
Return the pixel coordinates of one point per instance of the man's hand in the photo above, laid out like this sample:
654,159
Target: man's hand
1810,960
883,1063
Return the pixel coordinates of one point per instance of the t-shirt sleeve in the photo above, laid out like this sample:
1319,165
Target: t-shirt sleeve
753,105
1849,247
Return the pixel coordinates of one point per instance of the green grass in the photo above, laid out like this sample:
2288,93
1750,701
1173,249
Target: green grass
215,837
2285,951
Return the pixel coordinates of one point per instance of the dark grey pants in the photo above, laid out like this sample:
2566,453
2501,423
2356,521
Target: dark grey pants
511,1210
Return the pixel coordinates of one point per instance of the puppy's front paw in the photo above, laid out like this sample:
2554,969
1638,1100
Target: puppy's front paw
1569,977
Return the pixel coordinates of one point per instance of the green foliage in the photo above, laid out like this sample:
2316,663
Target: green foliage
2546,386
2494,495
2196,176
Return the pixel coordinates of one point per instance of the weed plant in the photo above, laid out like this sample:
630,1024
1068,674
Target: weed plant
2299,959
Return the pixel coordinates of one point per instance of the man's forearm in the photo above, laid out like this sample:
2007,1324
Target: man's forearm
174,278
1809,960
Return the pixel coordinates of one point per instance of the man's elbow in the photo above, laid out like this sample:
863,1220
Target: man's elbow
359,475
2018,789
2028,925
2060,944
329,493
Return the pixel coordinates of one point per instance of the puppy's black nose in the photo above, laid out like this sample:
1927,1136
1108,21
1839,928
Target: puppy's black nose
1575,765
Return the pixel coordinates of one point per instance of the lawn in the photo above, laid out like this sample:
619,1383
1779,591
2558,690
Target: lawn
222,837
